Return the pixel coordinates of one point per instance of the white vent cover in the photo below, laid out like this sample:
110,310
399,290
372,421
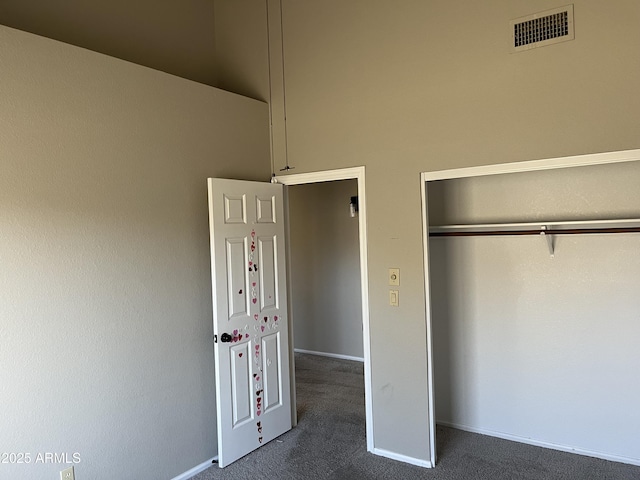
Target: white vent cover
541,29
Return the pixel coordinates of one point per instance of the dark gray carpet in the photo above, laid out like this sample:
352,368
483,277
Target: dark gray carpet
329,443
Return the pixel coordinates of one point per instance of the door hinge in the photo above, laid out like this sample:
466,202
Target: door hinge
215,339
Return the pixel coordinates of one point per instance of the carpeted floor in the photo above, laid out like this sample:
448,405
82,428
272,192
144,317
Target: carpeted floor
329,443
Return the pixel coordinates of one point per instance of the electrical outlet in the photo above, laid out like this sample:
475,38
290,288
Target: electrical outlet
67,474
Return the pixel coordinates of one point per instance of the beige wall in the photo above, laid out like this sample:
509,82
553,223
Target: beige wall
325,268
411,86
105,318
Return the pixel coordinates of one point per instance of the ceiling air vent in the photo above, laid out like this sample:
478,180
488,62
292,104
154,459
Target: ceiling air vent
541,29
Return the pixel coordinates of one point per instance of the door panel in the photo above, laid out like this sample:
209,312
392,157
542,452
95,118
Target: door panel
268,272
266,208
253,397
271,371
237,278
240,383
235,209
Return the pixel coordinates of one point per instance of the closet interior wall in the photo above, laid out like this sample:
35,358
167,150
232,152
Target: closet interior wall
529,346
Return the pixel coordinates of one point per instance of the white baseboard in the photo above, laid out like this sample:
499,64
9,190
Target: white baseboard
538,443
402,458
196,470
332,355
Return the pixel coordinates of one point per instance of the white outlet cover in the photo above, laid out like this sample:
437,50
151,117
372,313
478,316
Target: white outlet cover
67,474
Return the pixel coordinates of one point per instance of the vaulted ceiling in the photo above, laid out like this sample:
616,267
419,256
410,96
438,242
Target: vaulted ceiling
176,37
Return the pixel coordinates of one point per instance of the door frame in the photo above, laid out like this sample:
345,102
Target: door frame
497,169
357,173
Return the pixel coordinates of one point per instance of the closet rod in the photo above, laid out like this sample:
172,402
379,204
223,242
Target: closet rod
570,231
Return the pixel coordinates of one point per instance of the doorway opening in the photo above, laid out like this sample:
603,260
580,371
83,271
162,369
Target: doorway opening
325,270
327,313
348,347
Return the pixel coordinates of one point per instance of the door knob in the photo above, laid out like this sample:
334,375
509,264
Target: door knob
225,337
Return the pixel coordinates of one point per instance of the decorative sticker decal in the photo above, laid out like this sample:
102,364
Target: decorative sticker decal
258,383
253,268
261,322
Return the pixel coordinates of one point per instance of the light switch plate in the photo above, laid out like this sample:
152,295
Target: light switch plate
394,299
394,276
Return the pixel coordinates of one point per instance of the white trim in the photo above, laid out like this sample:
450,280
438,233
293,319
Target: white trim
330,355
514,167
292,360
196,470
402,458
357,173
539,443
427,293
533,165
325,176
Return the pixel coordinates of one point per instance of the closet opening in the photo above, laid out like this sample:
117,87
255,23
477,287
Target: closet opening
532,273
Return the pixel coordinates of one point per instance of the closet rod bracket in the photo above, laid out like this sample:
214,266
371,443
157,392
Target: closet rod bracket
544,231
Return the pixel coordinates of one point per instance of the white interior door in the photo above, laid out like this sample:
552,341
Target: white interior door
250,321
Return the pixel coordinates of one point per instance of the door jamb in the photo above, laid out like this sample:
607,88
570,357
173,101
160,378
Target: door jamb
466,172
357,173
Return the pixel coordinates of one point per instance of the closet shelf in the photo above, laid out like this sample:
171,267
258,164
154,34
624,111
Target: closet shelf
579,227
